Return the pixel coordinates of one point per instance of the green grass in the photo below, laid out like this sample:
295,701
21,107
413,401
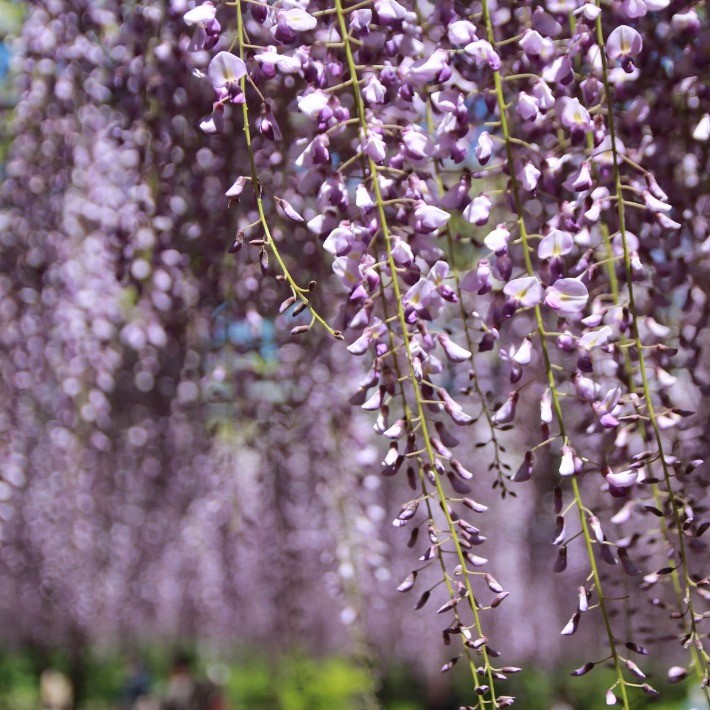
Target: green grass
295,681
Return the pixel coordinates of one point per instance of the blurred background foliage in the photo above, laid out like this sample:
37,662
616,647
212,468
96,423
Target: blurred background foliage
295,681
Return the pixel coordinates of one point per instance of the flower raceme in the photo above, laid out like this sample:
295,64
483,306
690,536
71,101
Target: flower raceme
403,136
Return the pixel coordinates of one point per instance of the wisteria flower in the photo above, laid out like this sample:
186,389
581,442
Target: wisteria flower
607,408
290,22
207,28
686,21
532,43
462,32
567,296
525,470
401,252
506,413
455,353
438,274
701,132
559,72
417,144
484,147
289,210
435,67
529,176
624,43
369,335
585,388
523,354
419,296
237,188
576,117
313,104
224,72
497,240
570,463
448,101
374,146
595,338
430,218
622,479
270,60
478,210
200,15
340,241
363,199
267,125
374,91
360,21
315,153
653,203
479,279
543,95
389,11
589,11
298,19
556,244
581,180
527,106
483,53
633,9
526,291
214,123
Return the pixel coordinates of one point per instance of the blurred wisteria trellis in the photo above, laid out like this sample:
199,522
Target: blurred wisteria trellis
236,237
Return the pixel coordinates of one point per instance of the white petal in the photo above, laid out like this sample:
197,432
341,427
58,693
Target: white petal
527,290
702,130
299,20
567,296
237,188
596,338
556,243
312,104
498,238
225,68
623,479
200,14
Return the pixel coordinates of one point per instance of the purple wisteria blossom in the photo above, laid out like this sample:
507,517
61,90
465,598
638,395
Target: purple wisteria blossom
437,265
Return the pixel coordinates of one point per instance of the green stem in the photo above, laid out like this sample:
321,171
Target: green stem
700,656
548,365
412,377
422,477
297,290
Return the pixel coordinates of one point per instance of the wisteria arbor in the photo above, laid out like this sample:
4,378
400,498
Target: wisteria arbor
239,236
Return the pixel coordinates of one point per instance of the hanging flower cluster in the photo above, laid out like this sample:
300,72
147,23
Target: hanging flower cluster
491,186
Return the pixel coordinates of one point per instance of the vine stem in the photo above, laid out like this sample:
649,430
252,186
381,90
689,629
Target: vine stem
298,292
548,364
657,497
422,481
405,331
700,656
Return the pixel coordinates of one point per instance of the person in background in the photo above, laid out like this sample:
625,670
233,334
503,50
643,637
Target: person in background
55,691
137,684
183,692
181,686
